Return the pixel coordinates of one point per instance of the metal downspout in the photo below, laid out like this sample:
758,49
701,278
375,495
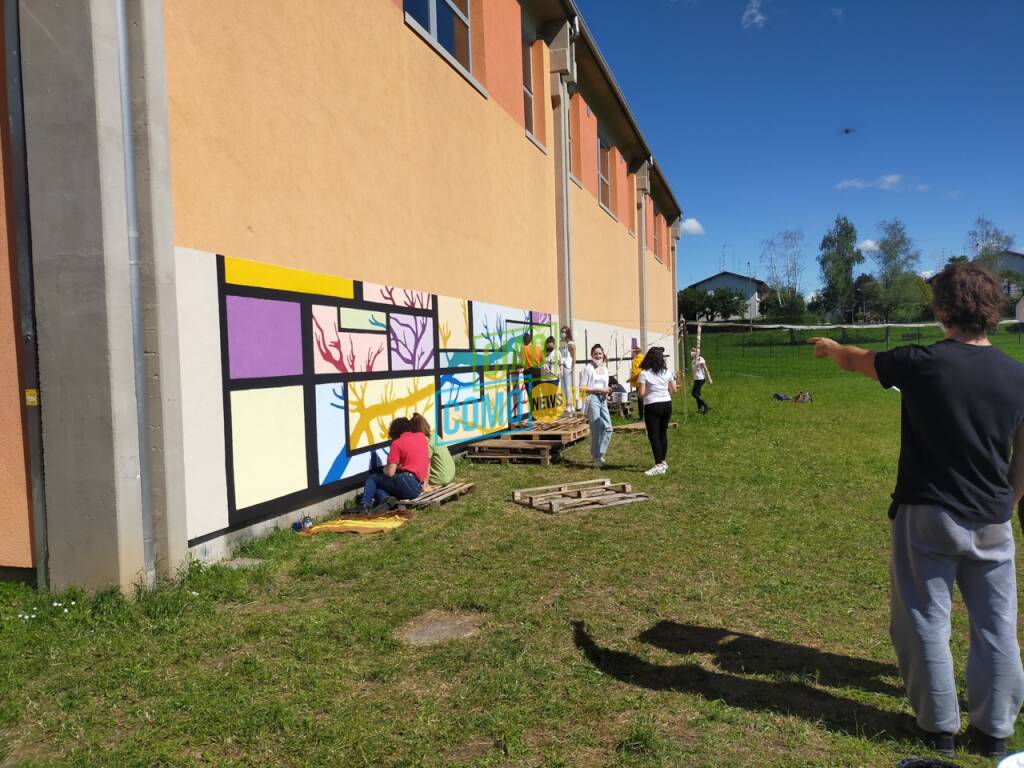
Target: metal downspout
135,282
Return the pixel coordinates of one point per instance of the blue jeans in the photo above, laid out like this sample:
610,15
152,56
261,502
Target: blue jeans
403,485
596,409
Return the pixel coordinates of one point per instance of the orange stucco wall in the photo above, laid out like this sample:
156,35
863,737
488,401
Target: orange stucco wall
15,525
660,302
333,138
503,35
587,146
606,282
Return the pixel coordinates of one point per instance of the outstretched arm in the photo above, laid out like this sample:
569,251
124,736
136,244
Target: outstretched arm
846,356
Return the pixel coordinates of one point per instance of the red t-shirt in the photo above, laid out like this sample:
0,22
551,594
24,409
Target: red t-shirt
409,451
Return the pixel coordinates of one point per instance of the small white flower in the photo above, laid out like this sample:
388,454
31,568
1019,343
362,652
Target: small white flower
65,610
55,605
195,594
74,603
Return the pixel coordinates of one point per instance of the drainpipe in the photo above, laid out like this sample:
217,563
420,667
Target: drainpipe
674,232
563,74
643,189
135,283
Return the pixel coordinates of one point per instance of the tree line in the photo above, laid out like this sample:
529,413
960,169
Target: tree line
894,292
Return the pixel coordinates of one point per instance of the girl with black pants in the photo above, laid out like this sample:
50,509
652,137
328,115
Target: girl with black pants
656,384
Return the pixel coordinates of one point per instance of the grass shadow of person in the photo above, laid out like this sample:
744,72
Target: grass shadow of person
739,653
836,713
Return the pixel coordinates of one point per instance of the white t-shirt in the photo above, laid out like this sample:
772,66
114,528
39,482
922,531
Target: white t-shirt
657,386
596,377
565,354
698,368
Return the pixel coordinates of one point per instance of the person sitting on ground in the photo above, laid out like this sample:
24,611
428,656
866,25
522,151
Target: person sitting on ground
634,377
404,474
442,465
962,414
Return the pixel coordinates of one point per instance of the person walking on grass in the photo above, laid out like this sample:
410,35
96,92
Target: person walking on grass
657,384
595,390
701,373
957,485
404,474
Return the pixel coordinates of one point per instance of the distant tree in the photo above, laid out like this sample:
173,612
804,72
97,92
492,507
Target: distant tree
896,254
957,260
868,295
726,303
781,256
837,256
694,304
986,243
789,306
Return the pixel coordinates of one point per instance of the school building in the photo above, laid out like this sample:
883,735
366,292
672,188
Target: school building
244,235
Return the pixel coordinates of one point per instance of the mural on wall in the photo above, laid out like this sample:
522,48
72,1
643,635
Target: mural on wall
315,368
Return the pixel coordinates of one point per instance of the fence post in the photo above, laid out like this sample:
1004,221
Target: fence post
887,329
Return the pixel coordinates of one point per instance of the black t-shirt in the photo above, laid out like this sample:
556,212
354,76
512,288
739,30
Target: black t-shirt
962,405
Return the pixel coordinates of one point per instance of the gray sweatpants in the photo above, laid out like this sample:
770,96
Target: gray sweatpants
931,548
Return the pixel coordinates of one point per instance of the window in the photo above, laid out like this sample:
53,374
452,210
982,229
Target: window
654,230
604,187
528,84
447,21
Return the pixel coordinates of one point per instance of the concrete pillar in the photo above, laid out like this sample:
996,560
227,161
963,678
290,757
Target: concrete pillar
559,37
674,233
643,191
80,254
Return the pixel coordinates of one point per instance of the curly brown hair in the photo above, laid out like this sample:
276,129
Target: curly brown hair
967,296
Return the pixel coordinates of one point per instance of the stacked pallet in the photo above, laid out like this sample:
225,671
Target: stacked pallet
512,451
638,426
577,497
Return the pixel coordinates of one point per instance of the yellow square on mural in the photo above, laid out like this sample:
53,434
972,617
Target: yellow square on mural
453,322
268,445
372,405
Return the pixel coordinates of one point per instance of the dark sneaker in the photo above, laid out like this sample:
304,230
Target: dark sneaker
387,505
362,508
980,743
944,743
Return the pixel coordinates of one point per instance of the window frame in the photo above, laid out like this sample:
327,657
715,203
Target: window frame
429,33
654,232
528,87
606,181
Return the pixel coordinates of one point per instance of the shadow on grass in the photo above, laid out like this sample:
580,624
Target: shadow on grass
737,654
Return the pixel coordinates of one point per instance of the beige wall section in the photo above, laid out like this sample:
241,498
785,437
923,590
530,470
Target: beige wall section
660,304
332,138
202,401
605,282
15,530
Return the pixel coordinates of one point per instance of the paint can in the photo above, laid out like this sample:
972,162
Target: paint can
307,523
1013,761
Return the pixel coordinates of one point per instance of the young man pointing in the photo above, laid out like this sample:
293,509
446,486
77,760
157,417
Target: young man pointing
957,485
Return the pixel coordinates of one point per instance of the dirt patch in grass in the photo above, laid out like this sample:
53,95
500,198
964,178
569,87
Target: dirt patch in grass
438,626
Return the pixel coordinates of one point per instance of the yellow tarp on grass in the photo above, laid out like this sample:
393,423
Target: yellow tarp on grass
362,523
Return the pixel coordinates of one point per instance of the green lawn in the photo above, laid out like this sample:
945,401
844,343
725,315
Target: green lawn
739,618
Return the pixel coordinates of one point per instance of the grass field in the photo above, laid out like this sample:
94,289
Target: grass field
738,619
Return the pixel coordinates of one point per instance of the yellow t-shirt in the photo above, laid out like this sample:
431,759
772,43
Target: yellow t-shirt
634,369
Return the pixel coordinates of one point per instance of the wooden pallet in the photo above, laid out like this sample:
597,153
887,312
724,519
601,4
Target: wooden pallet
566,436
574,497
638,426
566,422
439,496
510,451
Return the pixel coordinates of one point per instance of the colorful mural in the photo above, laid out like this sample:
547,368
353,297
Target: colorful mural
315,368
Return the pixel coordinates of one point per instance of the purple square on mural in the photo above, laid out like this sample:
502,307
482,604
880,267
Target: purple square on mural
540,318
264,338
412,342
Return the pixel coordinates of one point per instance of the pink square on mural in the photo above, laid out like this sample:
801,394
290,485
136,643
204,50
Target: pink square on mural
264,338
400,297
337,351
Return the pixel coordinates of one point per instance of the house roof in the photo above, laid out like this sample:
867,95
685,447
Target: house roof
761,284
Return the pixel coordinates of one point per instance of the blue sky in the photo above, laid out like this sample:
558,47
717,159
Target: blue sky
749,100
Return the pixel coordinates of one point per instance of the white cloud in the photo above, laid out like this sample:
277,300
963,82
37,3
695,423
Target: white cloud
853,184
752,16
839,13
867,245
927,273
888,182
691,227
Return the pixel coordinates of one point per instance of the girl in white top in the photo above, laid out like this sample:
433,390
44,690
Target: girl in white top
594,389
566,366
657,383
701,373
